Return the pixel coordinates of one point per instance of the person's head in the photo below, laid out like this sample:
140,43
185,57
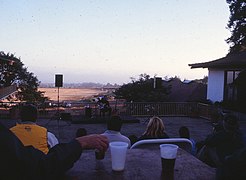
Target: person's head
114,123
184,132
81,132
155,127
230,123
28,112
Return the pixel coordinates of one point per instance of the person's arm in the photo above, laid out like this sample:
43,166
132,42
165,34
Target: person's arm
93,141
61,157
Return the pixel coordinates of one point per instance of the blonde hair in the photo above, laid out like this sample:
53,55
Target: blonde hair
155,127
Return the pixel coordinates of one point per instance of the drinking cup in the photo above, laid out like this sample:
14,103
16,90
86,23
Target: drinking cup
168,157
118,155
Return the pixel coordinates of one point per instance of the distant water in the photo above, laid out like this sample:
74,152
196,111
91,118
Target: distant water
71,94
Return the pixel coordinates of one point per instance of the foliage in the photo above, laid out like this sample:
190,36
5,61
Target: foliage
142,90
241,89
237,26
27,82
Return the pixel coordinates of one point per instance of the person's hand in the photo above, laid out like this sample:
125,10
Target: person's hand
94,141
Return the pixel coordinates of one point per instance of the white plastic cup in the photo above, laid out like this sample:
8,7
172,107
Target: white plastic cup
118,155
168,156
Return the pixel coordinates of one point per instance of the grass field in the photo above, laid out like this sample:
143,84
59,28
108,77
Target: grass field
71,94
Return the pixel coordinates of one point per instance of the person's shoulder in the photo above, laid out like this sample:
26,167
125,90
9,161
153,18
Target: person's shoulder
41,127
165,135
51,134
125,137
143,137
192,140
105,132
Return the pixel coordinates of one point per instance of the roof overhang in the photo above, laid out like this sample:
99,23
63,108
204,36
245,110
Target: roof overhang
234,61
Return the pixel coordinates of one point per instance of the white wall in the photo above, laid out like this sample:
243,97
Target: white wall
215,85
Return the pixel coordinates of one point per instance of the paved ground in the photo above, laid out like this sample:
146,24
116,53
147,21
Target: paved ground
199,128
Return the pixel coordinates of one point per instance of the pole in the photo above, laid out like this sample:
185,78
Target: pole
58,106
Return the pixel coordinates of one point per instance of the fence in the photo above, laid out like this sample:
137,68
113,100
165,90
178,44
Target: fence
161,108
205,110
6,91
191,109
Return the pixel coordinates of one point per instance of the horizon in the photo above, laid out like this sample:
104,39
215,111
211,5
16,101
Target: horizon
112,41
113,84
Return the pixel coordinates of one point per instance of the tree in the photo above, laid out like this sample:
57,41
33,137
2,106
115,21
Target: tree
241,89
237,26
27,83
142,90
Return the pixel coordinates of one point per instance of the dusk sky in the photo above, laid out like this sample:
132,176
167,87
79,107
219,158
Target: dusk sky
112,40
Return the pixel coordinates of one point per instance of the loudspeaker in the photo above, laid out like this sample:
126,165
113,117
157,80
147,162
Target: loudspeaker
59,80
157,82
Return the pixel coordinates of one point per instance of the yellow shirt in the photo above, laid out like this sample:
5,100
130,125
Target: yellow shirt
32,135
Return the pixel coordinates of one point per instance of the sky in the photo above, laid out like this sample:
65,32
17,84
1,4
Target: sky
110,41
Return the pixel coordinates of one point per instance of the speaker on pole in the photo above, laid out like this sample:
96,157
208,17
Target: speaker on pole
58,80
157,82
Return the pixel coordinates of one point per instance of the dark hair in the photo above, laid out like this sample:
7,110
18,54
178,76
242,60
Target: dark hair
114,123
28,112
184,132
81,132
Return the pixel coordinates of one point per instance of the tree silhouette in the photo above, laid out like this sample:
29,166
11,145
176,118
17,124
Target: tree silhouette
27,82
237,26
241,89
142,90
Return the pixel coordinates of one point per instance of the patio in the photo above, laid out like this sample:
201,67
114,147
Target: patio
199,127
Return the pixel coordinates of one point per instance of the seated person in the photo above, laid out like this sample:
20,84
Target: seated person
222,143
185,133
234,166
155,129
25,162
32,134
114,125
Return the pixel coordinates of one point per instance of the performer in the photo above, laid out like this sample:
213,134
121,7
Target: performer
104,106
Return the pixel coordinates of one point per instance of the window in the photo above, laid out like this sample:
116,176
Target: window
230,92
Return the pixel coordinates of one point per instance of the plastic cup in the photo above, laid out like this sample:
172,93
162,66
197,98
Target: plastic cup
118,155
168,157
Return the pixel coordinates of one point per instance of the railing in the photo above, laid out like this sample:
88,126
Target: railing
160,108
205,110
6,91
190,109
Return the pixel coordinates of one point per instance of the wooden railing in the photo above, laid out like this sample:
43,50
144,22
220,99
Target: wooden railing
6,91
205,110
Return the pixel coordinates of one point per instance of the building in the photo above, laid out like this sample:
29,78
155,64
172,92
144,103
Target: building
222,74
6,66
